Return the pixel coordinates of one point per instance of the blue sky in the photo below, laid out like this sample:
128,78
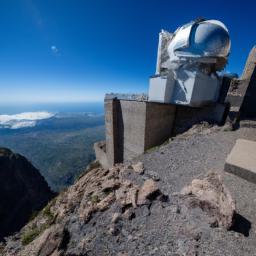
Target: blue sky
76,50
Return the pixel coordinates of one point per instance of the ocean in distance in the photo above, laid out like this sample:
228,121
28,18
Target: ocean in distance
81,107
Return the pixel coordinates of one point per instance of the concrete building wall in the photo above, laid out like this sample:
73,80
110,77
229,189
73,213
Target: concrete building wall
135,126
186,117
159,123
131,127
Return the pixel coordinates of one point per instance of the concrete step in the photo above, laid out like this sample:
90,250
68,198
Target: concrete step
242,160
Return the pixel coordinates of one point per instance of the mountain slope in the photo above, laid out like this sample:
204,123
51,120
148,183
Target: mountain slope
120,211
146,208
23,191
59,147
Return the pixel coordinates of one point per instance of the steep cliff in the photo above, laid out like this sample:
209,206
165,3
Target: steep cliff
23,191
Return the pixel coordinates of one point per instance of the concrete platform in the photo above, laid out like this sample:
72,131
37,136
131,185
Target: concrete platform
242,160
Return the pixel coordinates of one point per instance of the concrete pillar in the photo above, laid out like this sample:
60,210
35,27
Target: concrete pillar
111,130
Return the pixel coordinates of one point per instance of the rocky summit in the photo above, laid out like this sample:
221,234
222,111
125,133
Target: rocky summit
23,191
174,200
120,211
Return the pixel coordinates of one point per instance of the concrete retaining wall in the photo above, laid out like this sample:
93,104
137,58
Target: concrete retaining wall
132,127
159,123
131,117
186,117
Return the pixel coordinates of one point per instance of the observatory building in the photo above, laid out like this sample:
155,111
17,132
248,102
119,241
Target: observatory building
189,87
187,64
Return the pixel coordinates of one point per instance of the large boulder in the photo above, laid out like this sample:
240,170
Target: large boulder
211,195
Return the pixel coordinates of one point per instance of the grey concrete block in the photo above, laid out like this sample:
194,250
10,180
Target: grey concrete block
160,89
242,160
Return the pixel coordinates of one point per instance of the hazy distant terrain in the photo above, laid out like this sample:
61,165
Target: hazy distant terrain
60,146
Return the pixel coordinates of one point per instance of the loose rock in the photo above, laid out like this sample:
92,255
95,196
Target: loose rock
139,167
148,189
116,217
213,197
154,175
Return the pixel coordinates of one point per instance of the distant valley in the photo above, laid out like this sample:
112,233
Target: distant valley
59,145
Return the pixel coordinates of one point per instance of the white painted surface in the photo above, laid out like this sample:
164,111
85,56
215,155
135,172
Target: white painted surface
160,90
205,39
184,87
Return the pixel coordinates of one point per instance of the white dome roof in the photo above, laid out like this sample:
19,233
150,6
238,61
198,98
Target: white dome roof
203,39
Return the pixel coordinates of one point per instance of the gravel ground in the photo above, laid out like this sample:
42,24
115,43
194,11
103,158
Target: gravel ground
191,156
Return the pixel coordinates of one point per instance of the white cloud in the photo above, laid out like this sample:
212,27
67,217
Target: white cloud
22,124
55,50
22,120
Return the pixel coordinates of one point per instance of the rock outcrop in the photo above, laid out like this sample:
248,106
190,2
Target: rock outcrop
23,191
213,197
121,211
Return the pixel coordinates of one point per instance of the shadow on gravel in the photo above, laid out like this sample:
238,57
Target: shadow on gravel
241,225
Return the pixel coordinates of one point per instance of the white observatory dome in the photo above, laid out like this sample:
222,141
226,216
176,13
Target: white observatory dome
188,63
205,39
